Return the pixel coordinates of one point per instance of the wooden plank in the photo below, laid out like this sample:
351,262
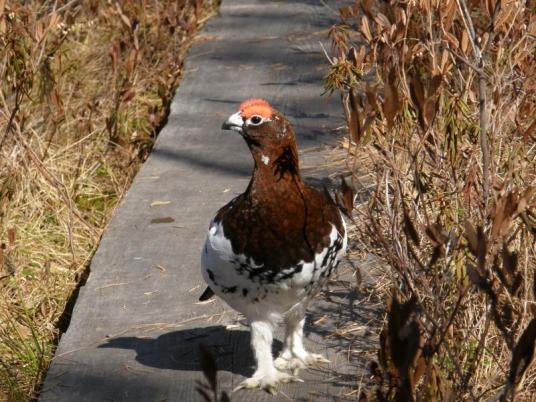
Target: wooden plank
136,326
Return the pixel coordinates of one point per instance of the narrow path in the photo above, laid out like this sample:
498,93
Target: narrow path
136,325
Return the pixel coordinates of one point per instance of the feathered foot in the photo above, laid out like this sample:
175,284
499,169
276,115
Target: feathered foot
267,381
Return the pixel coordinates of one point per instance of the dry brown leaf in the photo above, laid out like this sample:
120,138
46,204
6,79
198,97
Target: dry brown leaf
391,103
371,95
11,236
383,21
365,28
354,123
530,132
167,219
449,11
464,43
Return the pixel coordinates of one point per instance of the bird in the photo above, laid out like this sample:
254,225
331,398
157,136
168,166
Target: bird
270,250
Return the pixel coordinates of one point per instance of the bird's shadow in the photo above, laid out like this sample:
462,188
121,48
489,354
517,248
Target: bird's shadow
179,350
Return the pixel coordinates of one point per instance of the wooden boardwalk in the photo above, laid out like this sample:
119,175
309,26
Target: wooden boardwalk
136,325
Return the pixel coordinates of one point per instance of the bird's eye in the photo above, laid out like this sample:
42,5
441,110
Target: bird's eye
256,120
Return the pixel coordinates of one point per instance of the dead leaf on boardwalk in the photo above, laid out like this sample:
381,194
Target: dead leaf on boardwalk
167,219
159,203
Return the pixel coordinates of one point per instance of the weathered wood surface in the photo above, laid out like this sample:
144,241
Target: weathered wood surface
136,325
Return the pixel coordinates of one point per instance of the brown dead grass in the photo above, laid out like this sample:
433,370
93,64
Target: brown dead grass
85,87
450,137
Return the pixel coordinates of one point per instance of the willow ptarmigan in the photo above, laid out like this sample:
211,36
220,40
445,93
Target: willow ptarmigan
270,249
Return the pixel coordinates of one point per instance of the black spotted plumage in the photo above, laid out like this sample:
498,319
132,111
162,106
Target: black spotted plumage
270,249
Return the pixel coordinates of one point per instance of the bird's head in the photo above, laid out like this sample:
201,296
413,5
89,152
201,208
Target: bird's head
261,125
269,136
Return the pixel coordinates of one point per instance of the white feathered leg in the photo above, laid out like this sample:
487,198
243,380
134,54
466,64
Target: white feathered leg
266,376
294,356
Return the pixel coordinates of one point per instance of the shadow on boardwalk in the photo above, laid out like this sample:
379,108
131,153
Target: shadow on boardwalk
230,345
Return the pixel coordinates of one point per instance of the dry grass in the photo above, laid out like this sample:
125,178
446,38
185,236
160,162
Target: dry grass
85,87
439,97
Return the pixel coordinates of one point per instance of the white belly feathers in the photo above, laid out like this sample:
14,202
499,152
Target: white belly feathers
250,288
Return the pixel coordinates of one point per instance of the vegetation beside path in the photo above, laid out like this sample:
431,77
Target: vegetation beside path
84,88
440,97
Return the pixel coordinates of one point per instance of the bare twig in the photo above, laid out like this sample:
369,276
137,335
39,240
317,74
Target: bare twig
482,102
14,111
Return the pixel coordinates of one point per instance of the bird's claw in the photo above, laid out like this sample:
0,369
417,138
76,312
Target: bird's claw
296,363
315,359
267,382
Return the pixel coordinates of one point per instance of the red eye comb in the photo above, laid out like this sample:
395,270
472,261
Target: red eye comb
259,107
